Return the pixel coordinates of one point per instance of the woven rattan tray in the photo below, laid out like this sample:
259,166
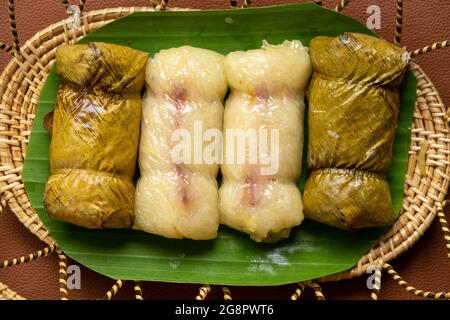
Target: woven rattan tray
426,184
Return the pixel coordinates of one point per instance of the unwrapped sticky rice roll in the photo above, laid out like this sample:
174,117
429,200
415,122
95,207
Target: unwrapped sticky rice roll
186,87
267,92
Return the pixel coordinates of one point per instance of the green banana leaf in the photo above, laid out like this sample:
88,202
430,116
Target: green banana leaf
313,250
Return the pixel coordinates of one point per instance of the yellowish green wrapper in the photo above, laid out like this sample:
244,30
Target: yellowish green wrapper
95,135
354,103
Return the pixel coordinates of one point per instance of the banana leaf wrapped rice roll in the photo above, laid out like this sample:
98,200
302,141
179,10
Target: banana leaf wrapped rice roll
354,103
95,135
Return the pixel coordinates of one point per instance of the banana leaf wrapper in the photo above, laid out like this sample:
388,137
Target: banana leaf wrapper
354,103
95,135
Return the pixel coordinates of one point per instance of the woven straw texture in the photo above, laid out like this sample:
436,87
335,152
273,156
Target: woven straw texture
427,178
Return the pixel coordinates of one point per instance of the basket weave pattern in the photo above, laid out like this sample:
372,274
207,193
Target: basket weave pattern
25,75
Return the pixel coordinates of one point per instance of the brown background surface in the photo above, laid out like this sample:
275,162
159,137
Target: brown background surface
425,265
